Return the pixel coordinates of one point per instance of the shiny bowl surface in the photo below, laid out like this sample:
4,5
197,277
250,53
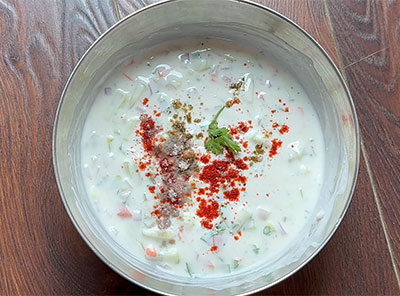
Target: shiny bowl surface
246,23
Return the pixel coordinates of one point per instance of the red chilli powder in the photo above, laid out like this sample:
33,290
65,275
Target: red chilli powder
276,144
232,195
284,129
221,172
217,174
147,131
208,210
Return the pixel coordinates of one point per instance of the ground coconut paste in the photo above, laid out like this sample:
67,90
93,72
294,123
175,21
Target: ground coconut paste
202,158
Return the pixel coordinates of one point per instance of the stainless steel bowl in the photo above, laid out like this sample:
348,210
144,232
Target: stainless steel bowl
243,22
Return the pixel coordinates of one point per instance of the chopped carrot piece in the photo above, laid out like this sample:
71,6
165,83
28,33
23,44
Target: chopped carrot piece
151,252
210,265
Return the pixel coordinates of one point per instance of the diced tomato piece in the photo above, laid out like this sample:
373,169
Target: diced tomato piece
151,252
124,212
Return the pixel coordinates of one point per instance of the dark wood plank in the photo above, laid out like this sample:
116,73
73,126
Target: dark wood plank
82,22
311,16
368,37
128,6
40,251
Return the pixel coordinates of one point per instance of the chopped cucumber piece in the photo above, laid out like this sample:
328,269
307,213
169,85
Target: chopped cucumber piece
200,60
223,267
235,263
154,232
188,269
206,238
215,231
296,151
170,255
229,57
242,218
250,225
257,138
110,138
137,93
256,249
268,229
148,221
94,193
132,124
125,97
127,168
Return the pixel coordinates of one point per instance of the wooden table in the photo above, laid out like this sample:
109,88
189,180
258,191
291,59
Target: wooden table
41,41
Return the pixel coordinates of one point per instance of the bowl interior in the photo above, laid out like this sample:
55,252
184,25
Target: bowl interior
243,23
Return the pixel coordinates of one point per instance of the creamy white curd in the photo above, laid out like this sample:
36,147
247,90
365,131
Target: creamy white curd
188,207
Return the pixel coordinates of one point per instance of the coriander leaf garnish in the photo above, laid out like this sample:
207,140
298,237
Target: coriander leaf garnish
219,138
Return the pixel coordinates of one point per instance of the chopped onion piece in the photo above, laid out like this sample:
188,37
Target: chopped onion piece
192,92
226,79
184,57
107,91
282,229
320,215
137,215
296,151
262,213
261,95
248,88
162,70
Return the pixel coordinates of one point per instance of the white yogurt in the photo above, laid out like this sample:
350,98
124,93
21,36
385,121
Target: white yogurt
168,200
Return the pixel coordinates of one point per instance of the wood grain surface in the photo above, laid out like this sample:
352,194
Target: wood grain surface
41,253
370,56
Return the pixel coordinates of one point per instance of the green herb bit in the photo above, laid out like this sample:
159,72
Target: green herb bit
141,244
109,141
127,168
268,229
188,270
217,231
235,263
219,138
256,249
235,227
204,239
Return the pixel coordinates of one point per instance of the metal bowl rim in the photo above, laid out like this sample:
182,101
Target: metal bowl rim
93,247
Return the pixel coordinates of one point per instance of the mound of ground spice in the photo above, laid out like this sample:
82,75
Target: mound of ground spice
176,163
